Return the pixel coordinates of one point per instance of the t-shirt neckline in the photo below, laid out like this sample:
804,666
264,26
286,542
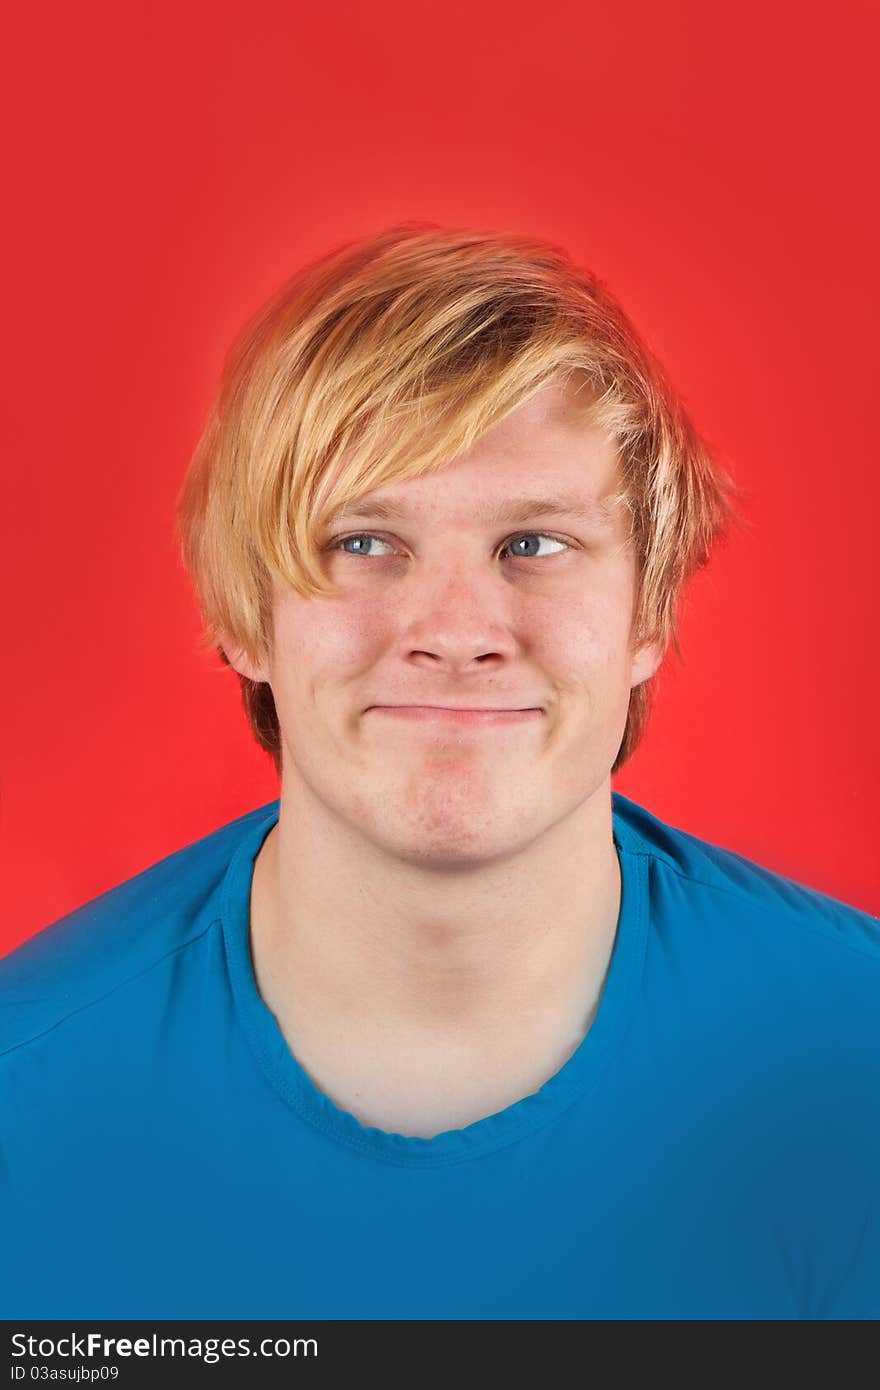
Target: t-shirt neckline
577,1077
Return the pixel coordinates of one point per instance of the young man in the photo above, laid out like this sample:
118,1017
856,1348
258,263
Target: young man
449,1030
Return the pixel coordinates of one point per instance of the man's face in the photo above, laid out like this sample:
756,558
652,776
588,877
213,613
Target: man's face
443,606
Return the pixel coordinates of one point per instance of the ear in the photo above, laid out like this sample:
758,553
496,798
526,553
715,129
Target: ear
240,662
646,660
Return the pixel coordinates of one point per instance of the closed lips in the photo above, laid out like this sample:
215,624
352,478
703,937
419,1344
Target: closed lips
467,709
460,715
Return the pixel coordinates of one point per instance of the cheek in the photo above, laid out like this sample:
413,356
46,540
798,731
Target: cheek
328,647
360,628
584,635
347,640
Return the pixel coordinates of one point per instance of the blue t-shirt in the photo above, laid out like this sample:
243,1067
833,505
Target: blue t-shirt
710,1150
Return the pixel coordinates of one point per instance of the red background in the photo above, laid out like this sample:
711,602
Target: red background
167,165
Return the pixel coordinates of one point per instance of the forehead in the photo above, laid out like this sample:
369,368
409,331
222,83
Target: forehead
545,457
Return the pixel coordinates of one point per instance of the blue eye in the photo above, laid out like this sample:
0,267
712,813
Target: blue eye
533,535
361,536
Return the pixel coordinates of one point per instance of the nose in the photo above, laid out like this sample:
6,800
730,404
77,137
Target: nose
458,614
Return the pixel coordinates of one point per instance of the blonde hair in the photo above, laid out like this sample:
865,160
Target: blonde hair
384,360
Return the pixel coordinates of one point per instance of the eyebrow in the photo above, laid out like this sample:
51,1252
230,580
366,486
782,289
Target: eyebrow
510,510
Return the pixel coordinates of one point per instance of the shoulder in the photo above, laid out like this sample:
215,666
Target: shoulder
120,935
709,877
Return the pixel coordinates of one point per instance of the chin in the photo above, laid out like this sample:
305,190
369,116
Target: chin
449,846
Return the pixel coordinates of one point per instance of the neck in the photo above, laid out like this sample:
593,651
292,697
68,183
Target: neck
494,972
